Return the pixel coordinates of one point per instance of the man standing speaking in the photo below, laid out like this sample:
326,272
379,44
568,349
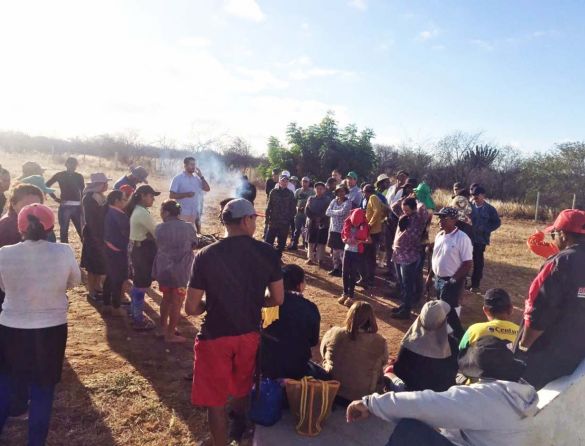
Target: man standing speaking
187,188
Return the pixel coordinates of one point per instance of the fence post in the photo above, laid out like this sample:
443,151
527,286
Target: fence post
537,204
574,201
116,161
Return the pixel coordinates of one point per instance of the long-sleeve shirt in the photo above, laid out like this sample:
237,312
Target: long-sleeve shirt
485,220
375,214
281,207
338,213
71,185
142,225
317,207
35,276
407,243
355,196
487,413
117,229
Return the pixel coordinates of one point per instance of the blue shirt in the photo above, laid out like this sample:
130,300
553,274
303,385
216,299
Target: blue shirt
117,229
183,183
125,180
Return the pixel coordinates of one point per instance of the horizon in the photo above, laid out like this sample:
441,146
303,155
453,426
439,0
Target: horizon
186,72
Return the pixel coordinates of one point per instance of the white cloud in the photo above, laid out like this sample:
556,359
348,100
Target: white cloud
358,4
305,26
195,42
483,44
245,9
429,34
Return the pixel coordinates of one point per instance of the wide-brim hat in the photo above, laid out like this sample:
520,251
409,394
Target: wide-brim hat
38,181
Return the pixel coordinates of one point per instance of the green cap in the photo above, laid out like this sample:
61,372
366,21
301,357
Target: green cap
352,175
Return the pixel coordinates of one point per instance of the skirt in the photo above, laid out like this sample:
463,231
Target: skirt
142,257
335,241
93,255
33,355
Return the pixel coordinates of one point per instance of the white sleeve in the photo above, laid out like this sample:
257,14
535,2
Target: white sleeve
74,278
1,282
460,407
465,247
174,185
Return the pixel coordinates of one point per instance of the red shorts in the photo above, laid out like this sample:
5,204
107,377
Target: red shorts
223,367
167,289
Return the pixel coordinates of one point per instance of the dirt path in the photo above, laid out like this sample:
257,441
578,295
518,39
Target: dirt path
120,387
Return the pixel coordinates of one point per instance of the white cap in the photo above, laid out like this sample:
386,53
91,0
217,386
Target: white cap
285,173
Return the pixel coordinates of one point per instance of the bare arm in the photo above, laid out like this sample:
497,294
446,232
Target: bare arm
179,195
463,270
195,304
276,291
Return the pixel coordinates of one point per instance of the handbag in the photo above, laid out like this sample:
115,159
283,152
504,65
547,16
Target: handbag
311,401
266,404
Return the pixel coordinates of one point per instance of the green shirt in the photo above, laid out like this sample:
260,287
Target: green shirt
141,224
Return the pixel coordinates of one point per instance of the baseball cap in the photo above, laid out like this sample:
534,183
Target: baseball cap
490,357
478,190
497,300
319,183
447,212
284,177
342,187
238,208
306,179
139,172
40,211
382,177
569,220
146,189
293,178
402,172
285,173
38,181
352,175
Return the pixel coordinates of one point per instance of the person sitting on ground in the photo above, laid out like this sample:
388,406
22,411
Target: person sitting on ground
498,308
93,254
338,211
175,241
116,239
142,240
428,355
317,224
490,412
136,176
287,342
4,186
35,276
355,234
246,189
71,185
355,354
551,337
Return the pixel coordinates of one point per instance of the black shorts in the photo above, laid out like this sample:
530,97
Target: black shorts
33,355
143,254
334,241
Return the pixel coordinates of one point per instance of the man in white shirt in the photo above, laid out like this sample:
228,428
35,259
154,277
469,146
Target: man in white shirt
394,192
187,188
452,260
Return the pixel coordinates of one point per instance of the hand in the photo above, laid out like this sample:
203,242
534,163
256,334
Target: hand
57,199
198,172
190,194
356,411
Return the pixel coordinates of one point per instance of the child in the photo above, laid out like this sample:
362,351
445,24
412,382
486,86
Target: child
355,234
175,241
497,307
116,238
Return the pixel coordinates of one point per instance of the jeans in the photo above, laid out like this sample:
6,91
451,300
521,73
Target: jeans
300,220
41,406
351,271
117,273
389,233
450,293
407,276
478,263
419,281
369,261
66,214
413,432
137,305
279,233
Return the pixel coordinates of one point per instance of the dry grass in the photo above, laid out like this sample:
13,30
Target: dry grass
125,388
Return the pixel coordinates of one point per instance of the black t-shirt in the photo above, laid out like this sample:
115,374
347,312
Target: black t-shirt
70,183
270,184
234,273
287,349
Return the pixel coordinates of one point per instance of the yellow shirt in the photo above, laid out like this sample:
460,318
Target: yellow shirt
505,330
375,214
141,224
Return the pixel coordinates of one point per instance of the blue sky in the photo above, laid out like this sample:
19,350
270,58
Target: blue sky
187,71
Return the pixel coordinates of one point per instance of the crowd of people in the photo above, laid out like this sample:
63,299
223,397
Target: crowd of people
253,302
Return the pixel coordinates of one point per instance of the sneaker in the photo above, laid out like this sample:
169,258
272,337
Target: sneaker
475,290
342,299
335,273
237,426
349,302
402,314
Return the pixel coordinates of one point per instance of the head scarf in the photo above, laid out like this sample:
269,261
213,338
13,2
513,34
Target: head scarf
427,336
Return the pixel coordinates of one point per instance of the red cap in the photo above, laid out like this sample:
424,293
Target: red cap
569,220
42,212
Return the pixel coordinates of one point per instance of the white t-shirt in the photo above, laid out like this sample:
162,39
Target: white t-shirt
450,251
35,277
183,183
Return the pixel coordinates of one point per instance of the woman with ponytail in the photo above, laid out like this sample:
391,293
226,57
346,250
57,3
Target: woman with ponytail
143,246
35,276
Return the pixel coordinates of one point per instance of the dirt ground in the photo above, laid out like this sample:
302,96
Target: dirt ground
120,387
